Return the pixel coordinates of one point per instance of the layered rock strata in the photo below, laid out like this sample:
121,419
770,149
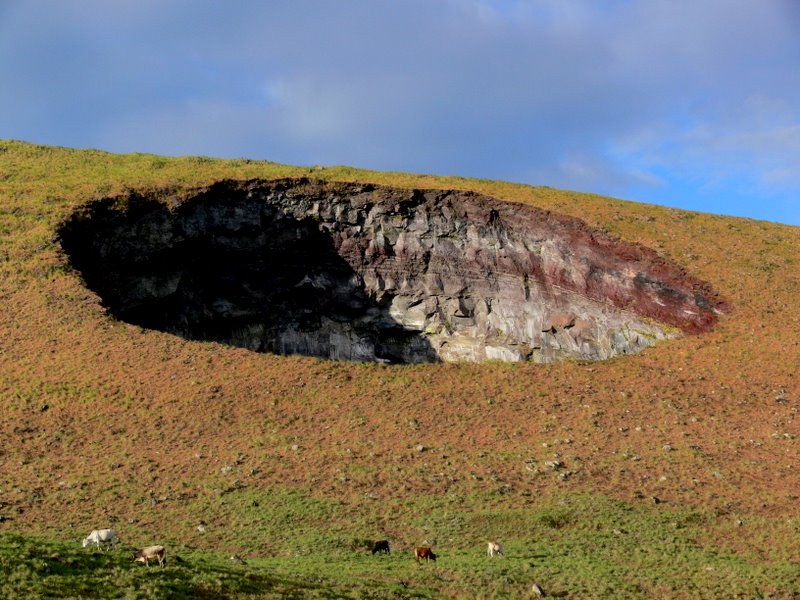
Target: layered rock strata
365,272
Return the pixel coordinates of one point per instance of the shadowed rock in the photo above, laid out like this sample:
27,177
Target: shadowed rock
364,272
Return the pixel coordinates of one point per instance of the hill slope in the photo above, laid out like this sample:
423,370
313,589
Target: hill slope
286,457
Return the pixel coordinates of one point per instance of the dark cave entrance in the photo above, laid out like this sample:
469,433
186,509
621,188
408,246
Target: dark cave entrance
238,272
363,272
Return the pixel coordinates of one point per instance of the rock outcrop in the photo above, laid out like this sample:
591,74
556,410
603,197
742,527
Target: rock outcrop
364,272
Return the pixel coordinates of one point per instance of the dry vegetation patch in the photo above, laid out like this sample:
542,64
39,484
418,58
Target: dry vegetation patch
105,422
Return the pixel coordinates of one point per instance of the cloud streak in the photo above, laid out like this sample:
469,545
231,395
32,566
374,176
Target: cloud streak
672,101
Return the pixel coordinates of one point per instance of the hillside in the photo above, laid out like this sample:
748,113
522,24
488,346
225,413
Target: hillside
675,468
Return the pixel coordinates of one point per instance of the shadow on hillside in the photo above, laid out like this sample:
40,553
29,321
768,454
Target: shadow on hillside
236,272
37,568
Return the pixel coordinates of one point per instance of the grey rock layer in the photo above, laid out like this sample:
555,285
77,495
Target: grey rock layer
364,272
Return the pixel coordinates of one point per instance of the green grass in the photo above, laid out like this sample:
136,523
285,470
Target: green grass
32,567
298,546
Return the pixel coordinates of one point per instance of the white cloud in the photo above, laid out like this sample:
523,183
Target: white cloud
757,143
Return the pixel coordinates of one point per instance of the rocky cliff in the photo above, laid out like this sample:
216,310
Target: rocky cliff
364,272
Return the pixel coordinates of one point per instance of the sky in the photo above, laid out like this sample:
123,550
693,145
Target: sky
687,103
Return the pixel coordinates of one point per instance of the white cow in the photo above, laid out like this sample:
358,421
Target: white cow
494,549
101,537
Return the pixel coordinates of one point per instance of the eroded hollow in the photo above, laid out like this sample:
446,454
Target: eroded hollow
364,272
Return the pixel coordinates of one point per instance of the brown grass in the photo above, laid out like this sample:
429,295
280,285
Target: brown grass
133,415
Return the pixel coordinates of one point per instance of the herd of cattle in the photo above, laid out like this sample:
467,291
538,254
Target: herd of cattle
108,538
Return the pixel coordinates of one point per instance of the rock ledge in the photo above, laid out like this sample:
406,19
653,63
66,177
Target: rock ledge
365,272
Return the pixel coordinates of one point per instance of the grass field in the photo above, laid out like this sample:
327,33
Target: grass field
678,473
573,546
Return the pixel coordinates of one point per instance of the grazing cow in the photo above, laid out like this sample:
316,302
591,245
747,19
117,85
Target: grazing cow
101,537
495,549
150,552
424,552
381,546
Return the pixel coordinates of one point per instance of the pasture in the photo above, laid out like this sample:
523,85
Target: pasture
572,546
670,473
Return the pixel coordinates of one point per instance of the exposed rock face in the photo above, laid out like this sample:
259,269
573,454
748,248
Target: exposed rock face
364,272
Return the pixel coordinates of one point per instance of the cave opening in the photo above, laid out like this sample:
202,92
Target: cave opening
370,273
260,279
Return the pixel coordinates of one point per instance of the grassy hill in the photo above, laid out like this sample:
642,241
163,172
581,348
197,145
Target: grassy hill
678,470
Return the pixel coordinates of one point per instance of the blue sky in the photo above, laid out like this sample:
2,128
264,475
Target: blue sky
687,103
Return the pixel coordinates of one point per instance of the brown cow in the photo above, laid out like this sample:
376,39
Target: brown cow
149,552
424,552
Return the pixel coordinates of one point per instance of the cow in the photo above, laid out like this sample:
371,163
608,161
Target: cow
101,537
149,552
380,546
494,549
424,552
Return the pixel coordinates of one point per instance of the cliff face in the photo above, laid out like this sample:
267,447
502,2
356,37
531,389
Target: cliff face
364,272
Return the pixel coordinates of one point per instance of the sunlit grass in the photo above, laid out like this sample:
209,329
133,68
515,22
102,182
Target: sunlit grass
103,421
575,546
